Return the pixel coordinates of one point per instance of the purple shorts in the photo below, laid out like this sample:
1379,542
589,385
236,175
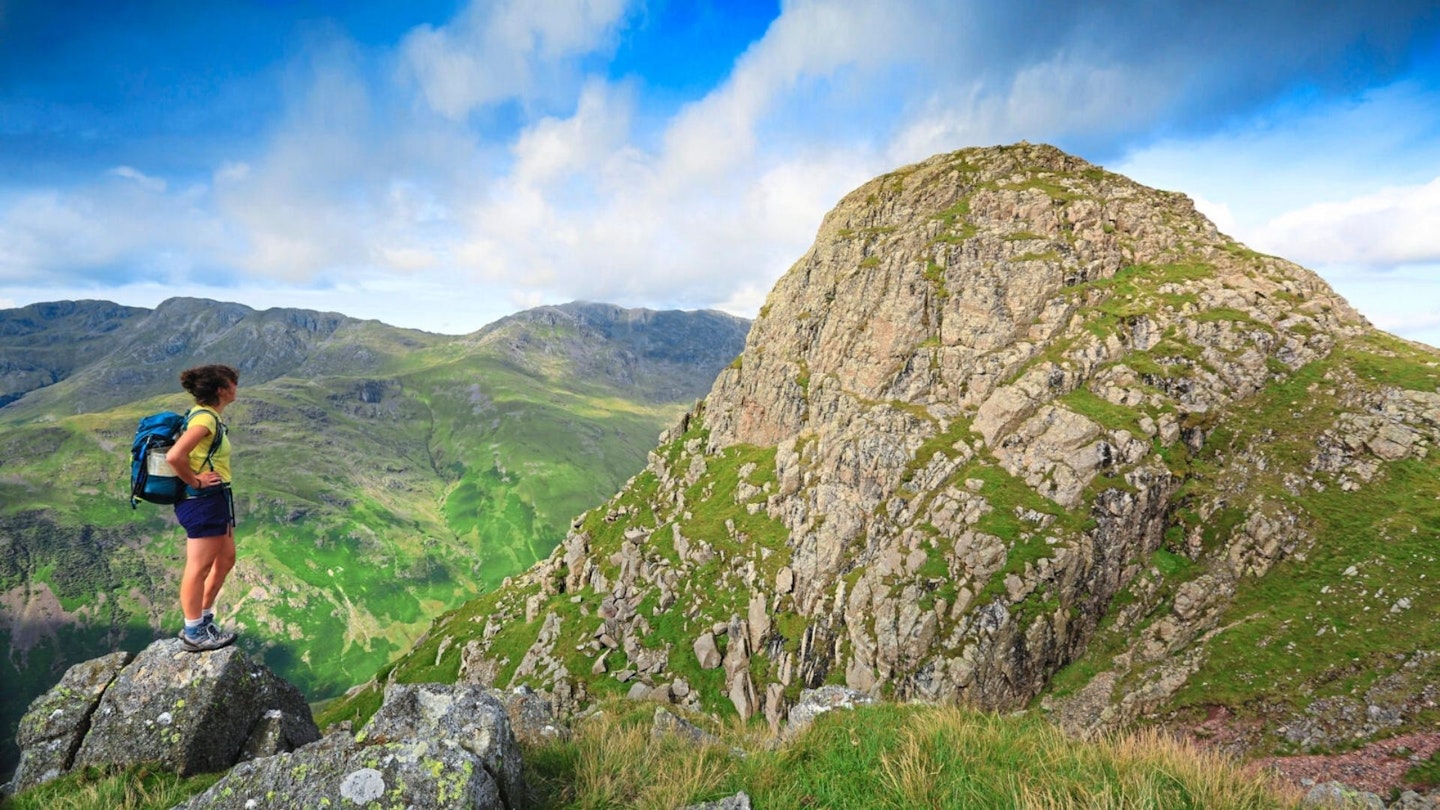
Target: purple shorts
209,515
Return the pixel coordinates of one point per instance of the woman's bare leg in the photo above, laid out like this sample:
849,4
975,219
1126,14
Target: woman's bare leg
207,561
219,570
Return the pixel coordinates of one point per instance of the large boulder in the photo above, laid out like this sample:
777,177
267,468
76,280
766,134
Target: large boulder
190,712
429,745
339,772
465,716
193,712
51,731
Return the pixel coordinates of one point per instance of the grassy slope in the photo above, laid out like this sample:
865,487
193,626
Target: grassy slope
1328,622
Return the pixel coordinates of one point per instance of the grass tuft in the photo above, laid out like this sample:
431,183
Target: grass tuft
139,787
891,756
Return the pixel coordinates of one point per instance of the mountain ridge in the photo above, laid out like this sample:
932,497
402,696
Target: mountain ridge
51,354
145,353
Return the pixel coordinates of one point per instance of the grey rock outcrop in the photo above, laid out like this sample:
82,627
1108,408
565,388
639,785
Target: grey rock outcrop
190,712
464,716
52,730
815,702
740,801
338,772
1335,796
429,745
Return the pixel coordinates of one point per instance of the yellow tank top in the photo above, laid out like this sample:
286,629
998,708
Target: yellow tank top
221,459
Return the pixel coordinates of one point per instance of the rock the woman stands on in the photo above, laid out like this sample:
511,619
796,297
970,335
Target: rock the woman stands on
208,511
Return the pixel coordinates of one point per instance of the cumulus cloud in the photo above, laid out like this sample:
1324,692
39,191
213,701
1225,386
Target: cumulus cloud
714,208
1294,156
1404,300
344,185
594,139
834,93
586,212
117,228
1391,227
513,49
1217,212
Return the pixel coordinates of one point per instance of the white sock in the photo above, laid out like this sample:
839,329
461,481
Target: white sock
192,624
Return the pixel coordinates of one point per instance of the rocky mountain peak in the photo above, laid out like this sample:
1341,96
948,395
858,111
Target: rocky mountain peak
938,283
1015,417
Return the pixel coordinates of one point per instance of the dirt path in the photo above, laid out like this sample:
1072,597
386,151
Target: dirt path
1378,767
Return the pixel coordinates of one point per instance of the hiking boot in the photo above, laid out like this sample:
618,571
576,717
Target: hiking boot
206,637
213,631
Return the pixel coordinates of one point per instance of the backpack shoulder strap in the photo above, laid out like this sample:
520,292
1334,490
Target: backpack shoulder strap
215,436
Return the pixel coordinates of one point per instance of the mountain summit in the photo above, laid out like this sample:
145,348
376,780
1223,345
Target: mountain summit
1017,431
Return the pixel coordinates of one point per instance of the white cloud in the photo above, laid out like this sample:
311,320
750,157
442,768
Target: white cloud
732,189
154,185
512,49
121,226
1073,95
1390,227
585,213
593,138
809,41
711,217
342,186
1412,323
1293,156
1216,212
1404,301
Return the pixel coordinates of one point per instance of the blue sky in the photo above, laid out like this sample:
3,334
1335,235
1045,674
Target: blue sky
438,164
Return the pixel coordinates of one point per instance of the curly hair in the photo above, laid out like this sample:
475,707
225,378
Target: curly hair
204,382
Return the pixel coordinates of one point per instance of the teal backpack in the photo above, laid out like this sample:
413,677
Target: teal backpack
152,478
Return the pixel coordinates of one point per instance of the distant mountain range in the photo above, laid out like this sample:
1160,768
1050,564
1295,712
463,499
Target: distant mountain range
383,474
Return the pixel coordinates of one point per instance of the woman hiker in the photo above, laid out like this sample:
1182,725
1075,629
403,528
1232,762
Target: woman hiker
201,457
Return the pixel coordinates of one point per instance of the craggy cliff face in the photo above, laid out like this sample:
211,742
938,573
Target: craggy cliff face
1006,396
943,283
988,309
988,297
